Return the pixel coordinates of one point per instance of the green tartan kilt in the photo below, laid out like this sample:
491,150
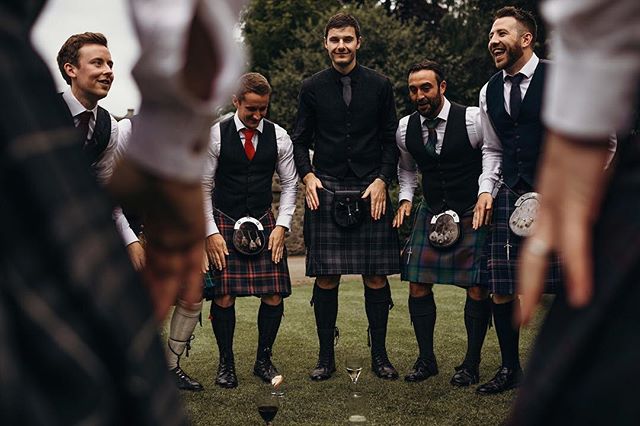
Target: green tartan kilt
458,265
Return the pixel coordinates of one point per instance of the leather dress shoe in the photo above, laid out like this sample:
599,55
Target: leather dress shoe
226,376
465,376
185,382
265,369
382,367
324,369
422,370
505,379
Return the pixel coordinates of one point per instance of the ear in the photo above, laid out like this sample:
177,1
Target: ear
527,39
443,86
359,43
70,70
236,102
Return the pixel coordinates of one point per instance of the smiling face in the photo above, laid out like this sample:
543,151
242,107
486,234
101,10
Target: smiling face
252,108
509,44
342,44
426,93
92,76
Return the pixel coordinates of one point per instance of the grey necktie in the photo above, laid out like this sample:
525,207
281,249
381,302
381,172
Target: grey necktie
346,90
515,97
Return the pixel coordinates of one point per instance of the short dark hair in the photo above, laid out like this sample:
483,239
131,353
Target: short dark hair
428,65
342,20
69,51
524,17
252,82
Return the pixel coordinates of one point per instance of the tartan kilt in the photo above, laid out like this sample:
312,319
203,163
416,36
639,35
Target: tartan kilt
459,265
499,274
372,248
247,275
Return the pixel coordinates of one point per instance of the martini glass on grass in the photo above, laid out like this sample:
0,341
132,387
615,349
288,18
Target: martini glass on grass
268,405
355,404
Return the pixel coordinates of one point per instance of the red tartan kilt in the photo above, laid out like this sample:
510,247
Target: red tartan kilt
248,275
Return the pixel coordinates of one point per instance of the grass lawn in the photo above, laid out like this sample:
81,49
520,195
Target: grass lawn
432,402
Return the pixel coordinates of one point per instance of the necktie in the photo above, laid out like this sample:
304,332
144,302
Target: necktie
346,89
515,97
83,124
432,139
248,143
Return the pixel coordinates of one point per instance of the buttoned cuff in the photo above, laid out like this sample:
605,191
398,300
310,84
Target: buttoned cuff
212,228
284,220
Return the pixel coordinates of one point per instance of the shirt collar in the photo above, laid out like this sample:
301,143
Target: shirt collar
528,69
354,74
240,125
74,105
443,114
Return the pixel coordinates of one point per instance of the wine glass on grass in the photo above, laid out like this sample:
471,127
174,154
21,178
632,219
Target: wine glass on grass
268,405
356,403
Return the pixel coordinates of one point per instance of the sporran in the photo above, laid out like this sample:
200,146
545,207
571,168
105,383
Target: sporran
348,208
444,230
523,219
248,236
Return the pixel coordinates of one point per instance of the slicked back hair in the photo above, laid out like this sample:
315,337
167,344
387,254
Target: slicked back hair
69,51
429,66
524,17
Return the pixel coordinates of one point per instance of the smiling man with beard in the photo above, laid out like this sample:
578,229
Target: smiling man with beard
347,115
443,140
510,105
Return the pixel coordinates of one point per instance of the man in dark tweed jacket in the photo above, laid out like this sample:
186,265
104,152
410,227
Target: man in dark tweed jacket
443,140
346,114
245,151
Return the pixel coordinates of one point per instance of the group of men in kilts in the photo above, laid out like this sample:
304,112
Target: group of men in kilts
473,161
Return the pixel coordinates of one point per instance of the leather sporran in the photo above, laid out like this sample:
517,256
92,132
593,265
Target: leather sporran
348,209
445,230
248,236
523,219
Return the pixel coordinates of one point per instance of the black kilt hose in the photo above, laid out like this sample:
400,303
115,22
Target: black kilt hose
459,265
499,271
247,275
372,248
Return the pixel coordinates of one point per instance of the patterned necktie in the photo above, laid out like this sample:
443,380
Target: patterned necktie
515,97
248,143
346,90
432,140
83,125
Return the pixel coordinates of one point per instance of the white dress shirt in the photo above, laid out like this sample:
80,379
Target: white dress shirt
596,73
492,148
122,224
173,123
285,167
407,168
104,166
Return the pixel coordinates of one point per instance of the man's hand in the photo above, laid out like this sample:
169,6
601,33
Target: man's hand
174,226
136,254
276,243
378,193
217,251
311,185
404,210
205,262
483,210
571,186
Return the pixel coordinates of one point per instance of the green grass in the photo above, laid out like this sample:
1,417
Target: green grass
432,402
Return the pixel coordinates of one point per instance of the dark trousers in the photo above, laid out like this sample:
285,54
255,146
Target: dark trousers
78,342
584,368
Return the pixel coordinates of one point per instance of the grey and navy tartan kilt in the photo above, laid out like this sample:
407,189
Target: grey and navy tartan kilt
499,273
459,265
247,275
370,249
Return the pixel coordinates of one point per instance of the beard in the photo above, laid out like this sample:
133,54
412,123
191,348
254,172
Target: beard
433,105
512,54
